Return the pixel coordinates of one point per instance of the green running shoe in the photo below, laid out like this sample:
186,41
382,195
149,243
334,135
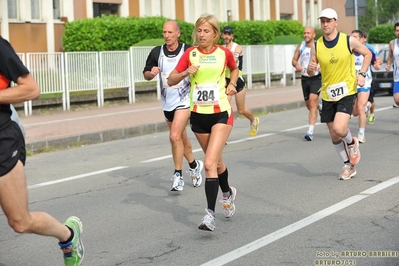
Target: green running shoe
371,119
73,250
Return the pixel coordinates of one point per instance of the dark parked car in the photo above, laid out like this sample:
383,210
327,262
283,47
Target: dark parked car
382,80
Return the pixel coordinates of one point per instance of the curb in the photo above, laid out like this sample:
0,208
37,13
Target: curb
129,132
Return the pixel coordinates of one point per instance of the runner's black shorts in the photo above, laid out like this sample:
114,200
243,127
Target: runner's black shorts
345,105
170,115
371,96
12,147
240,83
310,85
203,123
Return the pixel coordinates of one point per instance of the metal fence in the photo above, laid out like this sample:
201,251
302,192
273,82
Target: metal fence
63,74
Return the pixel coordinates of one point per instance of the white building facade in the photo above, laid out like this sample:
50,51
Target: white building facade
38,25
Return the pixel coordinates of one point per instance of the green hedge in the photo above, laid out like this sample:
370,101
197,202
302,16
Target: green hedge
288,39
150,42
250,32
112,33
381,34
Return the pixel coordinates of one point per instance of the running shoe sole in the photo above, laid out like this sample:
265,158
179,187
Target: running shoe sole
206,228
350,176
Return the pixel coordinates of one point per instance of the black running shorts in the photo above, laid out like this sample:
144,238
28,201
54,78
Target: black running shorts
12,147
203,123
240,83
310,85
170,115
371,96
345,105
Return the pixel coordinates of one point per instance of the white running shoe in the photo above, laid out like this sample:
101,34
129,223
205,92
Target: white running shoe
361,138
178,183
208,222
228,203
195,174
349,172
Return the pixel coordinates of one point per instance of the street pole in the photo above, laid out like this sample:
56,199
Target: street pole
356,19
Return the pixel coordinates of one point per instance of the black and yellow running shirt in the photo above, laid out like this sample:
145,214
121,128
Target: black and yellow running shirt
338,74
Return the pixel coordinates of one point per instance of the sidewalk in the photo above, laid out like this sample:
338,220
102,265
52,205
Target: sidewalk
66,129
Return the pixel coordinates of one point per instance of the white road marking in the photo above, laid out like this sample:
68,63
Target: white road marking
49,183
270,238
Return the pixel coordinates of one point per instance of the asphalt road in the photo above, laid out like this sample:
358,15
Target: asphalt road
291,207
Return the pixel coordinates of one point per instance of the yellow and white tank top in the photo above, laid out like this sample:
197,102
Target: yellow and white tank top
338,75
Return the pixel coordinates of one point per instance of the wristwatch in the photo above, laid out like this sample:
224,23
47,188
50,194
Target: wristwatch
233,83
362,73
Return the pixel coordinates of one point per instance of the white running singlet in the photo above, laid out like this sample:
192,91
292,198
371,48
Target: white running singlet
358,65
304,59
177,96
395,61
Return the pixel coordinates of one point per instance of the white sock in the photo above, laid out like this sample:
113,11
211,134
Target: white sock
341,150
311,128
348,137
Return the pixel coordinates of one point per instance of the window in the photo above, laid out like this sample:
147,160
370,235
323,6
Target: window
285,16
12,9
105,9
35,9
56,9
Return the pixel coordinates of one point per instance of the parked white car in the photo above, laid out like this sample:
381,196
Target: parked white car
382,80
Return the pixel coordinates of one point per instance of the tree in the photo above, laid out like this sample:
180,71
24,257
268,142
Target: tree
387,11
370,19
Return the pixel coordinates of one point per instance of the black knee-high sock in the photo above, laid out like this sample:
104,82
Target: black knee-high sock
223,181
193,164
211,192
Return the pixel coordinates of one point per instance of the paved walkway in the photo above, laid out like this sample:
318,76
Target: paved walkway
61,130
